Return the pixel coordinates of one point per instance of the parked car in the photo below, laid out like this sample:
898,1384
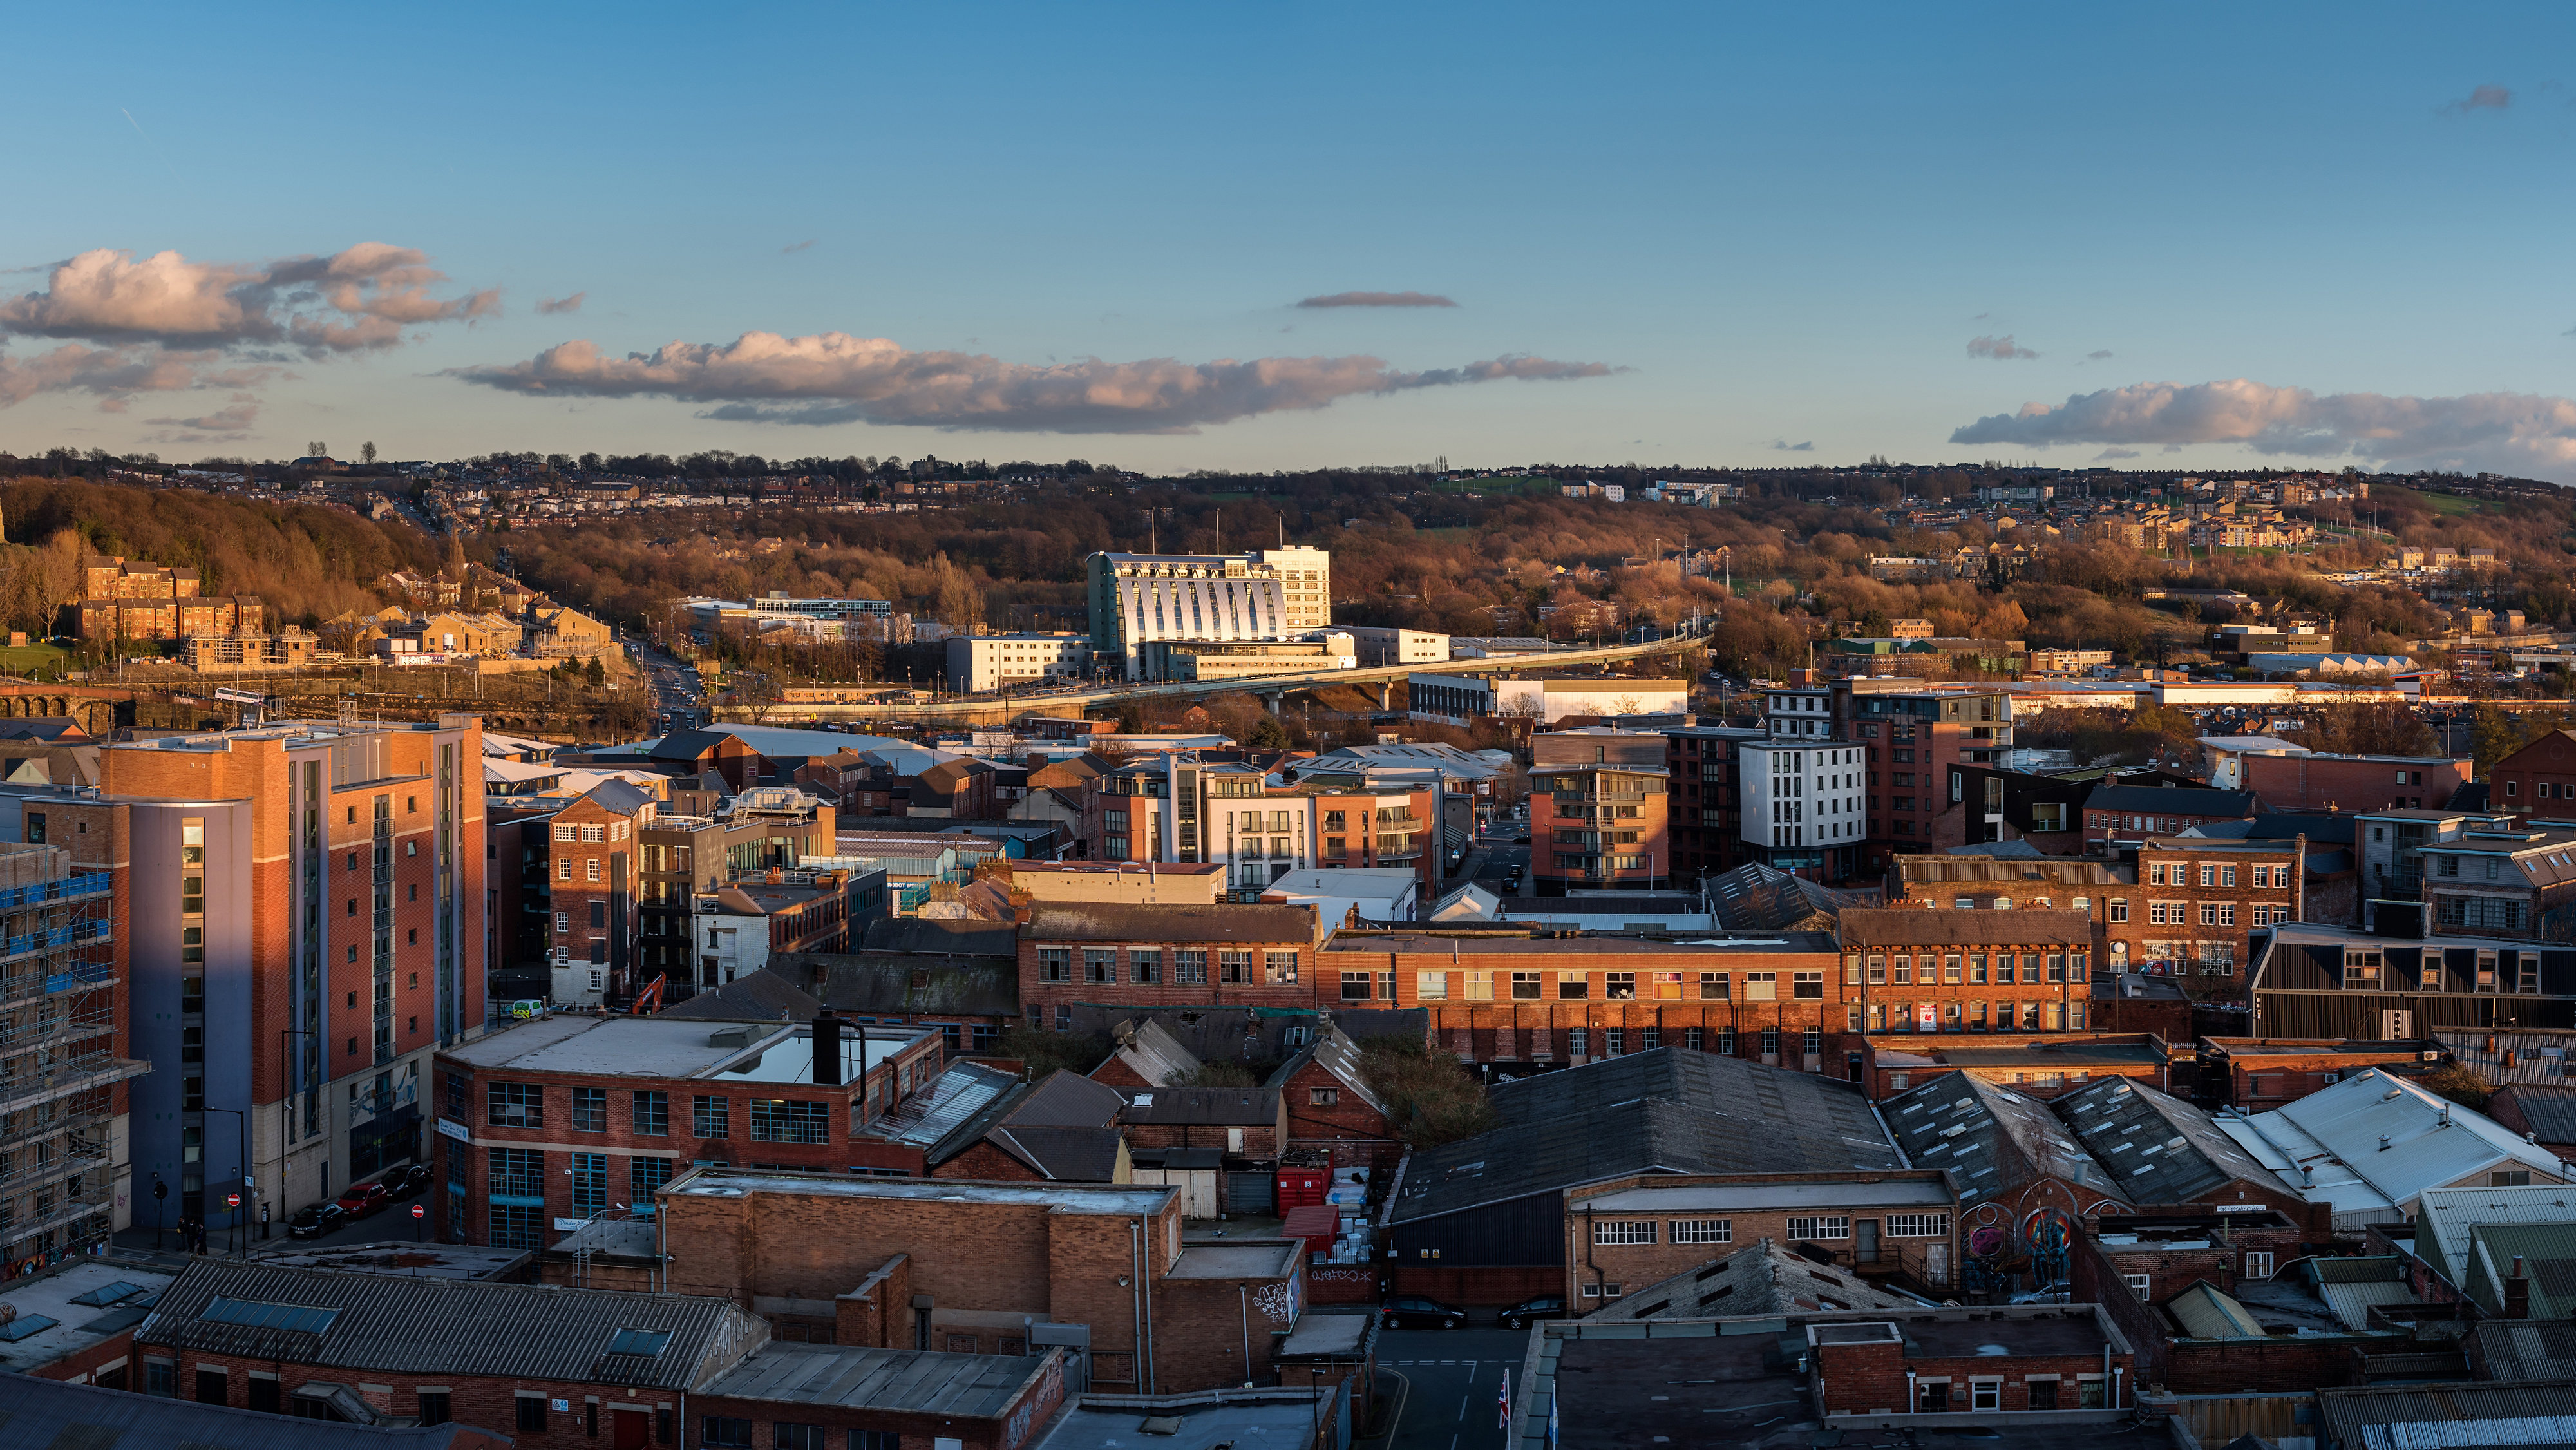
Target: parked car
1522,839
1412,1311
365,1199
314,1220
1545,1306
414,1179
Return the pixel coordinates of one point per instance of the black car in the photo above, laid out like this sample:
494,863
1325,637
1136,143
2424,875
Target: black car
413,1180
314,1220
1545,1306
1415,1312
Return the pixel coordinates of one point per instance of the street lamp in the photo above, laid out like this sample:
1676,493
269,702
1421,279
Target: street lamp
240,1173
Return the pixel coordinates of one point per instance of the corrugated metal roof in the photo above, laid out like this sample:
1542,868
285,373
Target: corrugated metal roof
2436,1417
1992,1140
2526,1349
2445,1218
2548,1255
920,1381
2541,1058
958,1093
1760,1278
2351,1301
2339,1131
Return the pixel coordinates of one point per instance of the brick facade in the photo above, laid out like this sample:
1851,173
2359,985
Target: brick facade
2195,905
1143,957
2537,780
1633,1247
2315,782
1946,970
593,1417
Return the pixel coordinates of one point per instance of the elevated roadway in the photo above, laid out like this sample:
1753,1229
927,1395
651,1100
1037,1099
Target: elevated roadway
1271,688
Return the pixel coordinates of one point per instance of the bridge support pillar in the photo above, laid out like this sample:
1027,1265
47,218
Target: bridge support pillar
1386,694
1270,700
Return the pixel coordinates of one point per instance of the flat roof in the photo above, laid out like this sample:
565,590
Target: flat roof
854,1377
1237,1261
399,1257
120,1294
679,1047
1899,1193
1099,1198
1607,945
1272,1417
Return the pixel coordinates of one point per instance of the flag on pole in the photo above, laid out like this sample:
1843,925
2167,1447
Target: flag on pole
1503,1402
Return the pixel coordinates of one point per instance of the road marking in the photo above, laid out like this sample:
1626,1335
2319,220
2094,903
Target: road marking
1395,1421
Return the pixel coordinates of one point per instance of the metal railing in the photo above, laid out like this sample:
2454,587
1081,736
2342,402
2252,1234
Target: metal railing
70,888
19,987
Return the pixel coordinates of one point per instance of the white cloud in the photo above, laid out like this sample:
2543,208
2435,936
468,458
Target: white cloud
356,300
553,305
1378,299
2520,433
2483,98
833,377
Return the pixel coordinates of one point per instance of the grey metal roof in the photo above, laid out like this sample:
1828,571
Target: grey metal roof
2551,1112
1078,921
2446,1218
1992,1140
912,983
1901,927
60,1416
851,1377
943,938
1116,1200
438,1326
1755,897
1239,1107
2526,1349
2532,1412
958,1093
1759,1278
1693,1112
2159,1149
1152,1053
1337,1054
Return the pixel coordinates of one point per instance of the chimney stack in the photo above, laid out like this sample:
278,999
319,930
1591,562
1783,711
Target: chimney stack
827,1052
2517,1292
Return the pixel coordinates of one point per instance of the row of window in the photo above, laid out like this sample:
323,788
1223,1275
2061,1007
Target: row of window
1969,1016
1189,966
1614,1231
1965,968
2177,873
2365,969
522,1105
1616,986
734,1434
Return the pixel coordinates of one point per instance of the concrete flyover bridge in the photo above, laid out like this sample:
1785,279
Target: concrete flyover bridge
1271,688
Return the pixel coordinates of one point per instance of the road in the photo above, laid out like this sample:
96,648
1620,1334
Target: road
676,691
1450,1382
1491,856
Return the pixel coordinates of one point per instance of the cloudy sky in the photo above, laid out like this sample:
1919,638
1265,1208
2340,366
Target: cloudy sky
1200,236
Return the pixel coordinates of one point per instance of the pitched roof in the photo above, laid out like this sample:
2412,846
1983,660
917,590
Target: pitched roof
1755,897
1064,1099
1941,926
1695,1112
761,996
2547,1254
856,1377
1993,1141
2551,1112
1120,921
2059,870
1760,1278
402,1325
2532,1412
971,937
2526,1349
1231,1107
871,982
1335,1052
1063,1155
56,1413
1154,1054
961,1091
2337,1130
2158,1148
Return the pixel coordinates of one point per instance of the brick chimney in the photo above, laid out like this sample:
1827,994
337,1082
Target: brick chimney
2517,1292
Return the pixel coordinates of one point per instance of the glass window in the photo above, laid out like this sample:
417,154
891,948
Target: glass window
711,1117
653,1114
515,1105
775,1120
589,1110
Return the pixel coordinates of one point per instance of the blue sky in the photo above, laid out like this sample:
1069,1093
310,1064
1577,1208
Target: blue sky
1703,231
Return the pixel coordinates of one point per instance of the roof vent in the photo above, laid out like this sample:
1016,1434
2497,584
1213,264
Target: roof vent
2383,1142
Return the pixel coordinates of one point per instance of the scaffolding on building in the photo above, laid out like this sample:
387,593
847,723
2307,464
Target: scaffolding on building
58,1062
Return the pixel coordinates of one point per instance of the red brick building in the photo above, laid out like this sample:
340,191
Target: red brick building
593,896
2128,814
784,1394
2310,781
547,1366
1598,802
563,1120
1946,970
2194,904
1911,735
2160,1250
1331,1109
2537,780
1113,954
2259,1074
967,1267
1515,1000
1946,1362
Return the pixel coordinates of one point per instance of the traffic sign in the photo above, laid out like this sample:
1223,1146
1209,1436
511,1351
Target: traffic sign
419,1212
232,1200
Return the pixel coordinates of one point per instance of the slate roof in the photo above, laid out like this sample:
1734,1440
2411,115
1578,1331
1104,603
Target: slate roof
1074,921
1062,1155
872,982
1213,1034
855,1377
1693,1112
57,1415
1338,1054
761,996
942,938
429,1326
1901,927
1992,1141
1755,897
1226,1107
1760,1278
617,797
2551,1112
1153,1054
2164,800
1067,1100
2159,1149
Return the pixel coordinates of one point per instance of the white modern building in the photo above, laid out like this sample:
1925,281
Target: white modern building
1268,594
1384,646
981,662
1459,699
1799,795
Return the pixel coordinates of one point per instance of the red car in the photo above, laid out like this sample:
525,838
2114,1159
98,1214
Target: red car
364,1199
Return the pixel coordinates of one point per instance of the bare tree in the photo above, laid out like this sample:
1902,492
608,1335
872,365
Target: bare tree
367,452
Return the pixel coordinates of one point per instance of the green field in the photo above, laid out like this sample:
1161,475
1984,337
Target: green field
2450,503
18,659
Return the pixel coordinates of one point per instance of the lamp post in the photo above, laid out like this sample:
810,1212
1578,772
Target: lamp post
241,1121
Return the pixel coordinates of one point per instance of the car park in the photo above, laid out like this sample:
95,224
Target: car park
1412,1311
